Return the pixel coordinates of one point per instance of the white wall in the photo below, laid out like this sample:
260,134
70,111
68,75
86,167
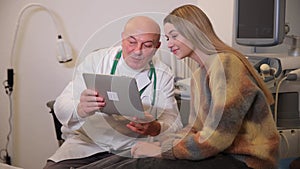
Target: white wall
221,15
40,78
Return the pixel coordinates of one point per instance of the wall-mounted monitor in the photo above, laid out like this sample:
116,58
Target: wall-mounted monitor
259,22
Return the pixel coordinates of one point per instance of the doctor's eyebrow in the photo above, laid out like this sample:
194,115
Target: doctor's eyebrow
151,41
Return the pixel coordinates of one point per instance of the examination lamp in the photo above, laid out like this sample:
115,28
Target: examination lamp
63,48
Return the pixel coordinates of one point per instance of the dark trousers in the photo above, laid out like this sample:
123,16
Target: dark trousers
75,163
120,162
295,164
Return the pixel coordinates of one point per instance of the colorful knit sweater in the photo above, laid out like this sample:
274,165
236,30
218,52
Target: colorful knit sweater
230,115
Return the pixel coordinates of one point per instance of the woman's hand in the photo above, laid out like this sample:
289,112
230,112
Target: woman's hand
90,102
146,126
146,149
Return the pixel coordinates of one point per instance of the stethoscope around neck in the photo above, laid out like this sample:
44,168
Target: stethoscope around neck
152,73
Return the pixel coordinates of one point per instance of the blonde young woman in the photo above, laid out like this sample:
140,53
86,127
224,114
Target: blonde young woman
231,103
231,125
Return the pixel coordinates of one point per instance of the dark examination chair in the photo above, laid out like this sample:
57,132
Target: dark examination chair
57,124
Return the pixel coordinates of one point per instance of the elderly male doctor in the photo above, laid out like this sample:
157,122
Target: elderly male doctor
91,135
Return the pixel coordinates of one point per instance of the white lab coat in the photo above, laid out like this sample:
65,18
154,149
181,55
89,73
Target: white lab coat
100,132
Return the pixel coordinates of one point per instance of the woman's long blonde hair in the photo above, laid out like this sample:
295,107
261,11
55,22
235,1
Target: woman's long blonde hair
192,23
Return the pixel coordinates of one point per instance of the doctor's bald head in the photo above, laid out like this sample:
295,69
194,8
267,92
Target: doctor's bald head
140,41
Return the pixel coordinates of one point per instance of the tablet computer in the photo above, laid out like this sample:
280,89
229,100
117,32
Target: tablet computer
121,94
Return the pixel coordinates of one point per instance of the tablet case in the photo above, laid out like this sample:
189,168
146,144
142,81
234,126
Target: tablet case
120,93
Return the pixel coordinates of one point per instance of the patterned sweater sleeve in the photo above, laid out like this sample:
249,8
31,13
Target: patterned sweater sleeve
223,94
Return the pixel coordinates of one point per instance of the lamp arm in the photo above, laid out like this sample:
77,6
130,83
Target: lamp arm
64,50
22,11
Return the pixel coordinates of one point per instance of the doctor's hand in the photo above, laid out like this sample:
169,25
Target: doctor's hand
90,102
145,126
146,149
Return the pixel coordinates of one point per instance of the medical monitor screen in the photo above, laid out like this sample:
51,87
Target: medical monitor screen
260,22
